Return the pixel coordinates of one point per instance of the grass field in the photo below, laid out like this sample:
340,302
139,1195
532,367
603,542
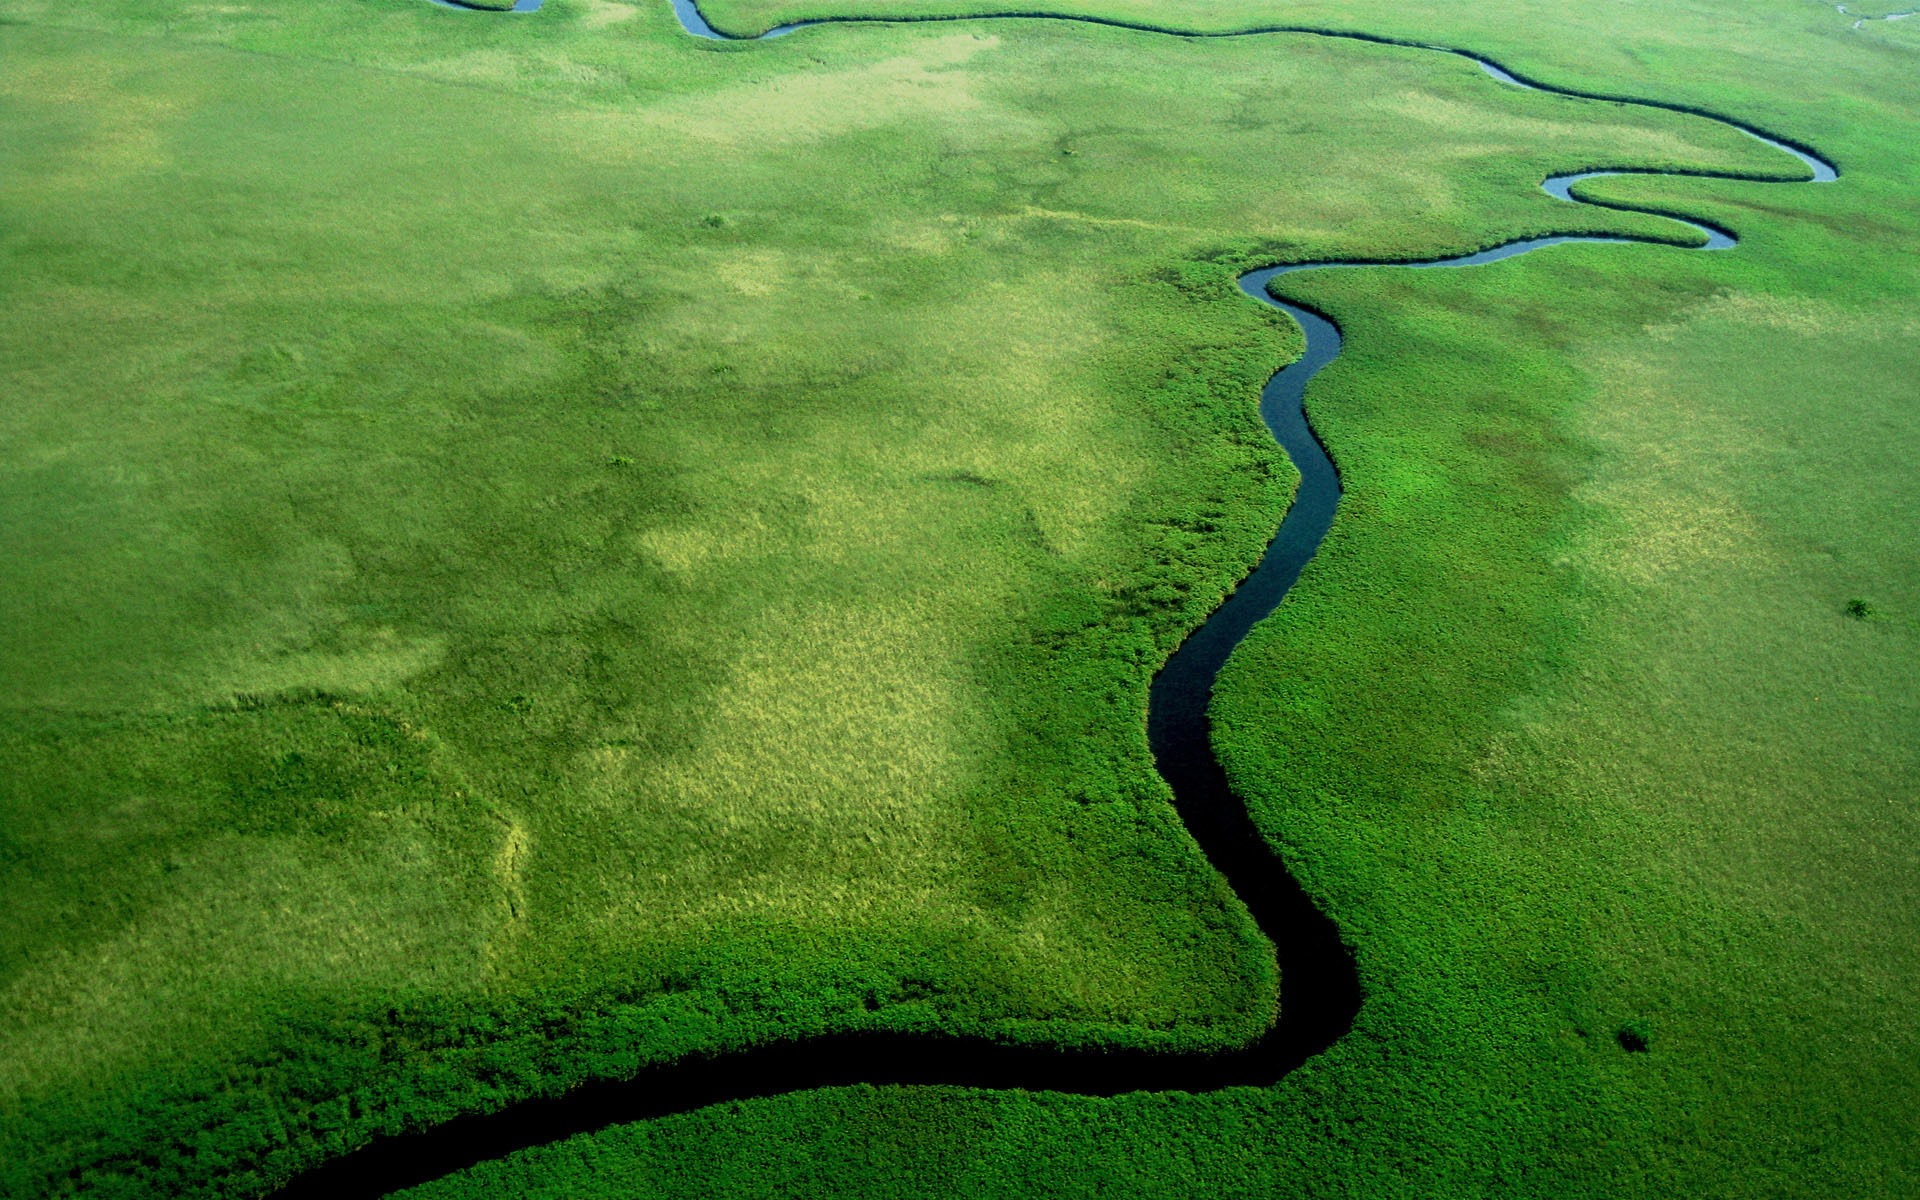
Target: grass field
580,547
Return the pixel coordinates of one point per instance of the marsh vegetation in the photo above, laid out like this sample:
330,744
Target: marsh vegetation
540,547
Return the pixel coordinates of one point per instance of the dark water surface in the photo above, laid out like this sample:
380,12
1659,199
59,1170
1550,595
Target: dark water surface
1320,990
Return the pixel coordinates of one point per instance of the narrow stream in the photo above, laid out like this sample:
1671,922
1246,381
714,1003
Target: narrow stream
1320,988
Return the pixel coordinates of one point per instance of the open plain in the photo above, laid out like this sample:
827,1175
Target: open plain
540,552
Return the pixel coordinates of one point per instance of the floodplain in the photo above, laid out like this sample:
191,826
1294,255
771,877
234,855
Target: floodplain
537,546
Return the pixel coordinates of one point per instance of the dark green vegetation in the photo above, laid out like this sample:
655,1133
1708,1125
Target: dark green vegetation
536,545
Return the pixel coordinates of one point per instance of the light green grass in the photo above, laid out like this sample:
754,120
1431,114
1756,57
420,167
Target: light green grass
520,525
678,541
1569,725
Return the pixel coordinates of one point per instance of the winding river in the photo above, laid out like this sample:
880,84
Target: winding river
1320,988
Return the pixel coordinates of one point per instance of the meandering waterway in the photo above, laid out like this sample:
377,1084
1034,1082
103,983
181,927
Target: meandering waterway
1320,989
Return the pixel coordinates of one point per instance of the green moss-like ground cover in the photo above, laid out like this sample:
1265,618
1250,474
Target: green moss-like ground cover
537,546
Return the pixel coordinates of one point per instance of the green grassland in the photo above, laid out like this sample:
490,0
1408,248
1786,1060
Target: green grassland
536,545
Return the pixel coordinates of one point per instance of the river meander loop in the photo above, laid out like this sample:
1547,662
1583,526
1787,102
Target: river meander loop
1320,990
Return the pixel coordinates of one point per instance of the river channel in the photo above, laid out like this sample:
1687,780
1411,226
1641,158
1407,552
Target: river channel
1320,988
